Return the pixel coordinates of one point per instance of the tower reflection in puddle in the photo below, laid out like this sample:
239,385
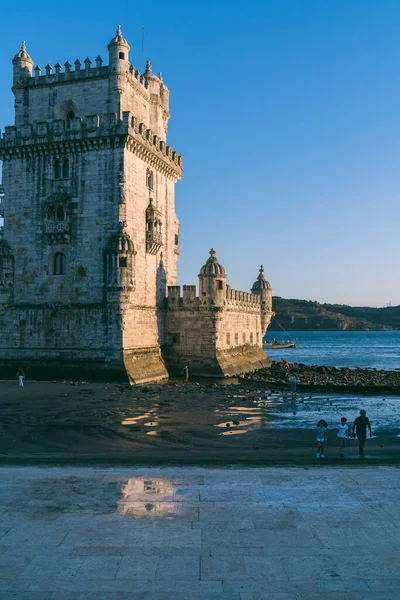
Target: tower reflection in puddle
154,499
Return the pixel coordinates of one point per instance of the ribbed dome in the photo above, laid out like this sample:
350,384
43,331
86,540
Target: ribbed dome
118,39
212,268
22,54
121,243
261,283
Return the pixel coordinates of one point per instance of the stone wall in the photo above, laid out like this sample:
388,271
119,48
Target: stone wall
213,340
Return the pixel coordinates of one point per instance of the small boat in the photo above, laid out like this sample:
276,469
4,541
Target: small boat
275,344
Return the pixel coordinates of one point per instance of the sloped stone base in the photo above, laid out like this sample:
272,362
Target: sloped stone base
242,360
145,365
225,363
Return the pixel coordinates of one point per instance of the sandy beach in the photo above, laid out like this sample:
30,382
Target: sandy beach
242,423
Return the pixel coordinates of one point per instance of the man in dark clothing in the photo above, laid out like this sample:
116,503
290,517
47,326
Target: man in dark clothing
360,426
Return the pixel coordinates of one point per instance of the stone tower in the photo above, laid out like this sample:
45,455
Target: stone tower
221,331
91,238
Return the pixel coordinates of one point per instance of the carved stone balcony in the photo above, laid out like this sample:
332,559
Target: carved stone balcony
153,242
57,231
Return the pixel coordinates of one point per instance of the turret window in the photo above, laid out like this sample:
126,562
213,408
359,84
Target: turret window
123,262
251,337
60,264
220,285
60,214
121,55
70,116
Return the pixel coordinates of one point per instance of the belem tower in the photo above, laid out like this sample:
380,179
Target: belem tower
90,241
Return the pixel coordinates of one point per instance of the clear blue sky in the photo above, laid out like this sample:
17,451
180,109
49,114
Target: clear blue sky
287,113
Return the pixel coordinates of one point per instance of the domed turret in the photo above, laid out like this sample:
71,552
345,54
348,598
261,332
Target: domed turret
261,283
23,65
119,262
212,268
121,243
212,281
118,52
263,288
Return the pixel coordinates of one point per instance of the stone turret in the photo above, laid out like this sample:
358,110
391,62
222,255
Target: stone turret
118,50
263,289
23,65
212,282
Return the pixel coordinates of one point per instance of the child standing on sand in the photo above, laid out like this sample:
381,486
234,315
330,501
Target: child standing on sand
322,426
342,434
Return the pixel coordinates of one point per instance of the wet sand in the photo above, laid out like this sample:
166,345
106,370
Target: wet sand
243,423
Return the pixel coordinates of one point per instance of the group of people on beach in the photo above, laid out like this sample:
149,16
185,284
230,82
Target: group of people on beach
359,429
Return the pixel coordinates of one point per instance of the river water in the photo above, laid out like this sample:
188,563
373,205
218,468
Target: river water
365,349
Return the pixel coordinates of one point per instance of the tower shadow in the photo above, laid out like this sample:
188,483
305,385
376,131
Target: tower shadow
161,294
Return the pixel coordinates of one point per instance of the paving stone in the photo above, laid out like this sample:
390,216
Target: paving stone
296,543
137,567
176,568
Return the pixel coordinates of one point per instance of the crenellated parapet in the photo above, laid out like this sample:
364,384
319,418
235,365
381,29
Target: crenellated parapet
187,300
92,130
87,69
240,299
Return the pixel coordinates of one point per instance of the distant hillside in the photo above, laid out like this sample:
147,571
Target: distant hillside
300,315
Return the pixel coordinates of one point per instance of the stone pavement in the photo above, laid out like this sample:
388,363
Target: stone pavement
199,533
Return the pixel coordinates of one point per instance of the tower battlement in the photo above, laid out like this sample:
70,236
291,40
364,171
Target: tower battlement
90,87
137,137
56,74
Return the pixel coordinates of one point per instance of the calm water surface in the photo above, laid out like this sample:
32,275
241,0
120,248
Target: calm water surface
365,349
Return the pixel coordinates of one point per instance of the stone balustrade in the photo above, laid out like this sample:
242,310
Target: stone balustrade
87,128
244,299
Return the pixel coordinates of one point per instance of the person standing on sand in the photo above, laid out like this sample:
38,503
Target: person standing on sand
322,426
20,376
186,373
342,434
360,426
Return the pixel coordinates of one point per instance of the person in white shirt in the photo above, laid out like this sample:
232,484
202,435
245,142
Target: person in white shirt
342,434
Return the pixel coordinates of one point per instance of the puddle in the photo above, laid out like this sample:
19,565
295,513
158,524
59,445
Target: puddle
245,408
134,420
143,498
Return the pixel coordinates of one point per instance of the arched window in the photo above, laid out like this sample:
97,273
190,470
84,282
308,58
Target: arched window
65,168
60,264
51,214
60,213
150,179
70,116
57,169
